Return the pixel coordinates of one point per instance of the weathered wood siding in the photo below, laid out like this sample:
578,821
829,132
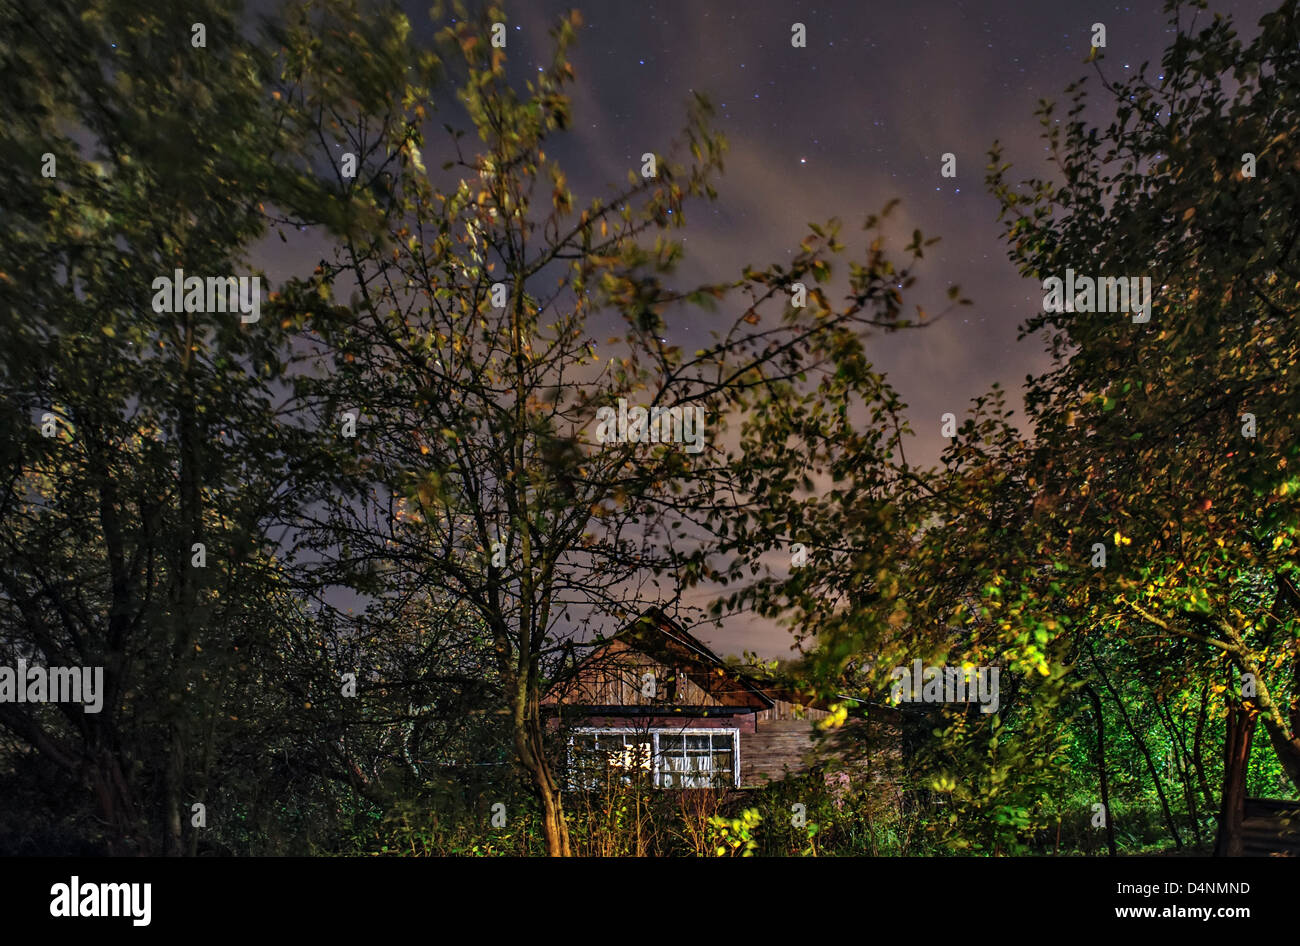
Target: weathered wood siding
785,710
776,748
866,749
614,676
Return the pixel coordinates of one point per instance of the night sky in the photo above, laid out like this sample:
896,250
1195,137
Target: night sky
859,116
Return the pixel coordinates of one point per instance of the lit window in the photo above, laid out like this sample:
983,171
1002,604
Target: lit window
674,758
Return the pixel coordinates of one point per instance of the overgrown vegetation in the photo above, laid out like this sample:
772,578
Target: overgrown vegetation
407,524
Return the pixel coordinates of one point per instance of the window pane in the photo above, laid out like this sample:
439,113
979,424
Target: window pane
611,756
685,760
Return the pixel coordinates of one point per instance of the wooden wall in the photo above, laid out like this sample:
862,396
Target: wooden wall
868,749
774,741
776,745
613,676
785,710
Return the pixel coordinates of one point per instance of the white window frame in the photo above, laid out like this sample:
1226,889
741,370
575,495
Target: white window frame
654,734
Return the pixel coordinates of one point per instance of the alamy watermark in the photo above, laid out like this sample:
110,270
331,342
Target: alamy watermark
1103,294
35,684
921,684
683,425
77,899
181,293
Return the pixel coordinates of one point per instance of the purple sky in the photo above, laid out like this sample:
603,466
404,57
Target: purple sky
859,116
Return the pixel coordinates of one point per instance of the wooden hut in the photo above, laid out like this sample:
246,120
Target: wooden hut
654,703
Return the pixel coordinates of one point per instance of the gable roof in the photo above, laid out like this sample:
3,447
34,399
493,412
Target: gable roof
658,636
661,639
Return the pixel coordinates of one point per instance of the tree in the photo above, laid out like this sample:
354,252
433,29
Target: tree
935,565
487,421
1168,442
147,473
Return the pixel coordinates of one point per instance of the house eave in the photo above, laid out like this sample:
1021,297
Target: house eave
576,709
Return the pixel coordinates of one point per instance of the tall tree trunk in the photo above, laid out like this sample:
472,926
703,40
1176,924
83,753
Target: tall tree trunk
1101,769
1282,723
1239,731
186,620
1142,746
116,806
529,741
1207,797
1184,765
1282,735
173,787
